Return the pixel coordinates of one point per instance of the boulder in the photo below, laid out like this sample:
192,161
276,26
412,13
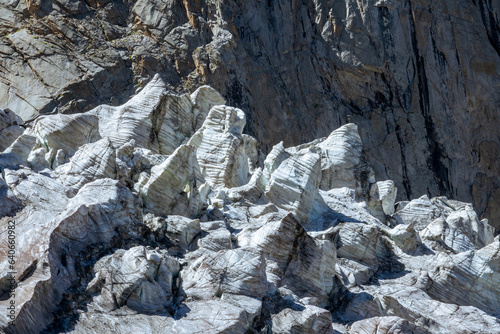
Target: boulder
141,279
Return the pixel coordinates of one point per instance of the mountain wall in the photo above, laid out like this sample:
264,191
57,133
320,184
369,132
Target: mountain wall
419,77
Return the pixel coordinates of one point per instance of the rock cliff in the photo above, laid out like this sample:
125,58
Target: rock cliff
419,78
160,216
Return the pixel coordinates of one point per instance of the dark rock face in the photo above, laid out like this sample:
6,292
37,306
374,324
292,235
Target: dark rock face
420,78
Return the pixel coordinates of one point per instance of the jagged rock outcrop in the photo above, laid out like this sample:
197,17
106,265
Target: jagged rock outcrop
310,320
297,175
231,315
220,148
10,128
295,261
382,198
139,279
116,234
462,272
9,203
172,187
51,230
293,184
91,162
234,271
155,119
385,325
452,224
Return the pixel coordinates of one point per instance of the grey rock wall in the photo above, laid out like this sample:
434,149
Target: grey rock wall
420,78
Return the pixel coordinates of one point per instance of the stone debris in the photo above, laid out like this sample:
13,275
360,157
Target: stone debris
160,216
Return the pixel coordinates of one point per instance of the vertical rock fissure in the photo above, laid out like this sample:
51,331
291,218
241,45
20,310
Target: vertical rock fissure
434,162
490,24
388,104
406,181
